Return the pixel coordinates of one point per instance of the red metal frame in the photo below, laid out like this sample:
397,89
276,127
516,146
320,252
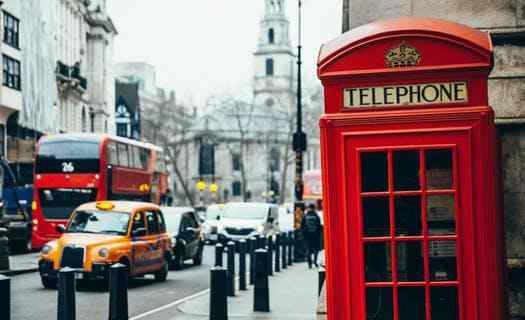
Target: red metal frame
124,181
357,60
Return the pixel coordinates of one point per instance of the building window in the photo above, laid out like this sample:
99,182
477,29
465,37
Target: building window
122,129
11,30
11,72
236,162
92,121
269,67
236,189
271,36
84,120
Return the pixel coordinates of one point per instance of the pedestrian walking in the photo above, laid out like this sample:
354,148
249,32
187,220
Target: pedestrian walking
312,230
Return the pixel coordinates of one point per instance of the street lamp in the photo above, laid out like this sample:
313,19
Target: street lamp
299,146
201,186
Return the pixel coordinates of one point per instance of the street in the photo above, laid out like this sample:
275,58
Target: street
31,301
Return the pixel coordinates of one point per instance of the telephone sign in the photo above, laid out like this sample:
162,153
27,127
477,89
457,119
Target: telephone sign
413,227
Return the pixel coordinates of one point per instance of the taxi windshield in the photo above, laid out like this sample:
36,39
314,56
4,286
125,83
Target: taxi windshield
103,222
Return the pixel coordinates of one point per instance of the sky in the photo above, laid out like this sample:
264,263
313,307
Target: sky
205,47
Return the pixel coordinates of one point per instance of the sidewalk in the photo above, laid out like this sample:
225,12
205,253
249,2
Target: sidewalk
22,263
293,295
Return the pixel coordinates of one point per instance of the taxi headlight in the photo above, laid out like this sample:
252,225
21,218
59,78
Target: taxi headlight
104,253
46,249
260,228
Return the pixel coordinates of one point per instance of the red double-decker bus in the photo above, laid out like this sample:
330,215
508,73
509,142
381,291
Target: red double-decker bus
71,169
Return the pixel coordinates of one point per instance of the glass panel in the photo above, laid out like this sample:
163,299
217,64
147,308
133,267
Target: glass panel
379,303
377,262
439,169
408,216
442,260
406,170
374,171
410,261
376,217
440,215
411,303
444,302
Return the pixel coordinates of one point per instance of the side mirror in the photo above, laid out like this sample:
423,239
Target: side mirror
140,232
270,220
60,228
218,217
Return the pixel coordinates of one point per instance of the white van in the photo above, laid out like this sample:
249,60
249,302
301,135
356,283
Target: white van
242,220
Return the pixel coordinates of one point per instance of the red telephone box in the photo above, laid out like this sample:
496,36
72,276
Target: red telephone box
412,205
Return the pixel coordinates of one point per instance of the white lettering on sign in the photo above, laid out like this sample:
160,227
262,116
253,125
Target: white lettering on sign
406,95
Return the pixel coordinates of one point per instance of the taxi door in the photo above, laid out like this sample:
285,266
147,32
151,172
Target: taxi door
140,247
155,250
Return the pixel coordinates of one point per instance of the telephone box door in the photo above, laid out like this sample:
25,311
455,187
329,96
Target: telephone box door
410,219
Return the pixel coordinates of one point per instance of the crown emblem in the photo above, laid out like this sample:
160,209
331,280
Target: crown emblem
402,56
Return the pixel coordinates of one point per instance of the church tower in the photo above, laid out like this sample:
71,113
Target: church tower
274,60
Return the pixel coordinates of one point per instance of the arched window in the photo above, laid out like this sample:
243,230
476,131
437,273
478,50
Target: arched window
271,36
269,67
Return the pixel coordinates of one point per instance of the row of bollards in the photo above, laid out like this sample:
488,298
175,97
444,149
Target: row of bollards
266,254
118,293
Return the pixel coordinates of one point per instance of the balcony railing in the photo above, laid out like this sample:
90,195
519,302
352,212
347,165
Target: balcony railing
69,76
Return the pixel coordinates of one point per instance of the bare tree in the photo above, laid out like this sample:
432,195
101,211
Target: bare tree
168,127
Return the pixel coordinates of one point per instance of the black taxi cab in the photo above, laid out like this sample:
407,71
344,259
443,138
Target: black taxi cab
100,234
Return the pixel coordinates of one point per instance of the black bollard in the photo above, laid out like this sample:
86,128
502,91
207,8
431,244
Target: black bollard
269,242
231,268
118,292
219,249
5,297
66,294
242,265
4,250
261,292
218,294
277,253
284,243
322,277
263,243
253,245
290,247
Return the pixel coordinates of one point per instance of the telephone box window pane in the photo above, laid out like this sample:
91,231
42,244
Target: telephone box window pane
379,304
376,217
406,170
374,171
408,216
411,303
441,215
377,262
439,169
410,261
444,302
442,260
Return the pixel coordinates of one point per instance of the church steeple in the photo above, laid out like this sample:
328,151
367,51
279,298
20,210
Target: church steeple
274,58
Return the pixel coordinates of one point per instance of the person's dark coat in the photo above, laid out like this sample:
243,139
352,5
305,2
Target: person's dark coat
311,228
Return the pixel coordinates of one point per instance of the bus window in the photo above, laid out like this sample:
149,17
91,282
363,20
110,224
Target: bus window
160,166
136,157
144,156
112,153
123,159
68,156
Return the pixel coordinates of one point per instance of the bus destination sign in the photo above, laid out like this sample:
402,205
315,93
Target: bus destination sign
406,95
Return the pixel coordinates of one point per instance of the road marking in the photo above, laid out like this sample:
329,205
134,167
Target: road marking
170,305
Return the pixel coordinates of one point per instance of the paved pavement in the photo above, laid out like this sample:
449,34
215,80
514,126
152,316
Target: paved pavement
22,263
293,295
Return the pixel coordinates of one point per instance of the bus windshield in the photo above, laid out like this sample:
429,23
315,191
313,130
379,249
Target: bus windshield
68,156
105,222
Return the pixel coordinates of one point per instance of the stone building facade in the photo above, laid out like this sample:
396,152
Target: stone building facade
505,20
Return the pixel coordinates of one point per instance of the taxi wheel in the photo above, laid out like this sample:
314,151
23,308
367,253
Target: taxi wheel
197,260
49,283
177,262
162,274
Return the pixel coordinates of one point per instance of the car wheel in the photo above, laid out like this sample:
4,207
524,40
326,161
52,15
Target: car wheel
177,262
162,274
49,283
197,260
